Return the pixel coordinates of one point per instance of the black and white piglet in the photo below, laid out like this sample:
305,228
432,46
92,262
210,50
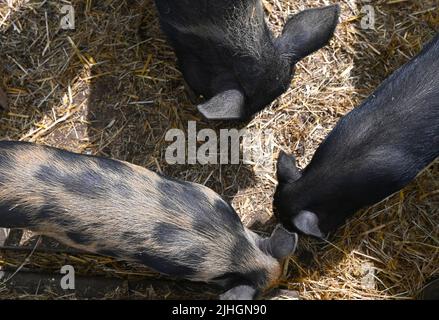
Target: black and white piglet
228,54
121,210
3,100
373,151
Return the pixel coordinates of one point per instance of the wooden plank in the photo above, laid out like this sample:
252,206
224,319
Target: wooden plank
32,283
3,100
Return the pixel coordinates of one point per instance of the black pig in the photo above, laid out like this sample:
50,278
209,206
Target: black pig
124,211
374,151
228,54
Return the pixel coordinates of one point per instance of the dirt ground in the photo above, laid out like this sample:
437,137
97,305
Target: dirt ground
111,88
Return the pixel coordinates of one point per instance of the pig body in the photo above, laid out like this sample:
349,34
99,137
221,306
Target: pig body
228,54
373,151
121,210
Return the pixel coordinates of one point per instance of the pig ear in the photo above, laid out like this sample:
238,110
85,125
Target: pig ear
308,31
239,293
282,243
3,100
287,169
308,223
227,105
